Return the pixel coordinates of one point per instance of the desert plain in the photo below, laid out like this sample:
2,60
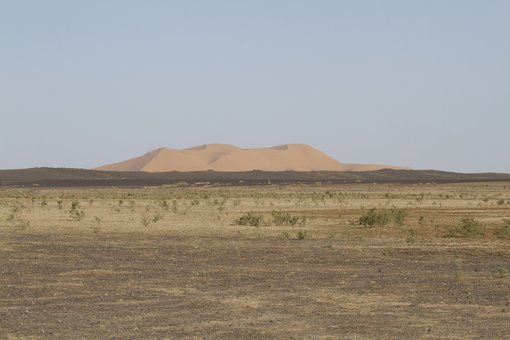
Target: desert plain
271,261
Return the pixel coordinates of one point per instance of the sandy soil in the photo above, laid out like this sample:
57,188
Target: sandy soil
196,274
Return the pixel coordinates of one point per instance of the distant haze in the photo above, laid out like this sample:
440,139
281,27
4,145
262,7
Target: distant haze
423,84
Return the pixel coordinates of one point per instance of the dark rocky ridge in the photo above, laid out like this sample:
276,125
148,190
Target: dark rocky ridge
65,177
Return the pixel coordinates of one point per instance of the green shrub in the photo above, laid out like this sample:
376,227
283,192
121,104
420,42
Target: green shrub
164,204
398,215
250,218
76,213
17,217
503,231
147,219
374,217
284,218
301,234
286,234
97,225
421,220
44,202
411,236
381,217
500,271
468,228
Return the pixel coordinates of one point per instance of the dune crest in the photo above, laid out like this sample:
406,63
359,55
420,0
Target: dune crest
230,158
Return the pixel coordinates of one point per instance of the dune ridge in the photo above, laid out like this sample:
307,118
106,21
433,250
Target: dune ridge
230,158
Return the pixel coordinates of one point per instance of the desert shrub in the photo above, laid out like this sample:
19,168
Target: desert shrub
286,234
221,205
468,228
421,220
284,218
387,252
503,231
301,234
411,236
44,202
471,227
398,215
147,218
97,225
500,271
375,217
381,217
250,218
17,217
76,213
164,204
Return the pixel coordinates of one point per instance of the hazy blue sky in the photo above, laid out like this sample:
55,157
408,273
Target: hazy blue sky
419,83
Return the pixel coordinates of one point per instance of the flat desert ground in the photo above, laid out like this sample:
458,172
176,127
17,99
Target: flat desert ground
296,261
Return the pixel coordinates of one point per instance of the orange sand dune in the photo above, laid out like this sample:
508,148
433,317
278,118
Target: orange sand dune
229,158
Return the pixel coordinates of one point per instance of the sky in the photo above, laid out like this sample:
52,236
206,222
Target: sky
424,84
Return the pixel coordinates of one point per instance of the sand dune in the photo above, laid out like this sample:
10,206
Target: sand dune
229,158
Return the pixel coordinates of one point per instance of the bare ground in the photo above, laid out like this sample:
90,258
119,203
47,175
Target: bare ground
195,275
156,286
